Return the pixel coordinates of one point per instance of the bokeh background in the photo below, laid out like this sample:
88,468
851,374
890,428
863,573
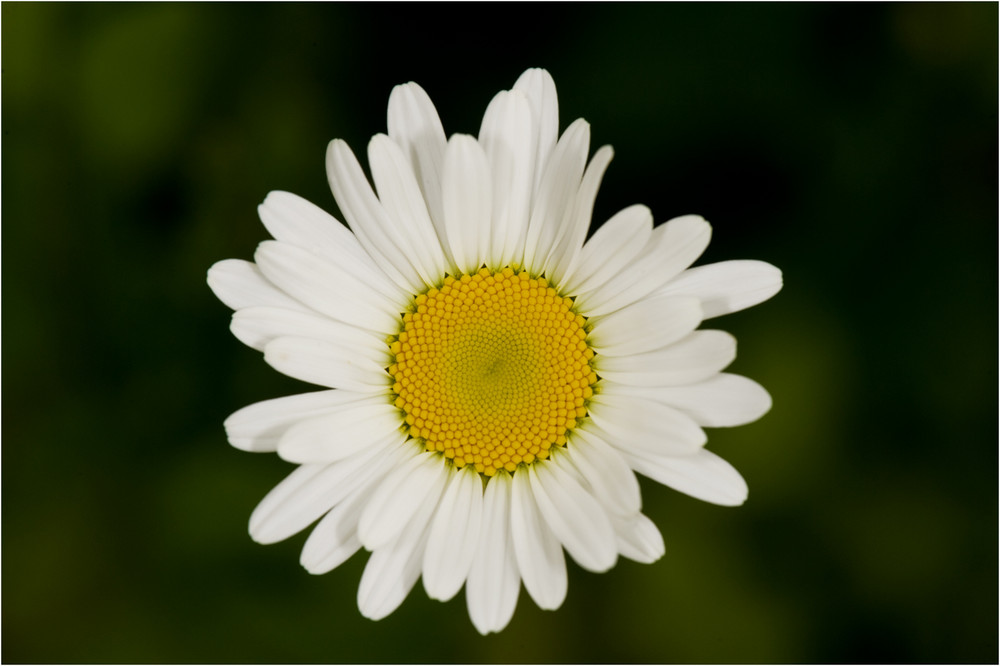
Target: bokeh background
852,145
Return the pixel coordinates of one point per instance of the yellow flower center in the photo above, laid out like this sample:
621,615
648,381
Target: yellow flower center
492,369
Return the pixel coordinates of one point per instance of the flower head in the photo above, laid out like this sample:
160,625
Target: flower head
492,381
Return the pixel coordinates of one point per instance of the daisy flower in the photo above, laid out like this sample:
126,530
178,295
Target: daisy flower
493,380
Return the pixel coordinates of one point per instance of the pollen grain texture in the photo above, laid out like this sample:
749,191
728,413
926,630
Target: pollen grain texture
492,369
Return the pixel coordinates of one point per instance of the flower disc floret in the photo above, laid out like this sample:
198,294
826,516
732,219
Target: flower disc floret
492,369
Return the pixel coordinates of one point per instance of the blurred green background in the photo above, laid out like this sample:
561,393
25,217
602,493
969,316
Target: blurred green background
852,145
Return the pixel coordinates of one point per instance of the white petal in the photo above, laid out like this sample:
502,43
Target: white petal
692,359
538,552
340,291
454,535
302,477
614,245
399,497
326,364
342,432
392,570
388,578
704,476
634,423
567,247
258,427
241,284
296,221
335,537
256,326
508,139
575,517
638,538
607,474
673,247
719,401
367,218
540,89
552,208
494,582
309,492
650,324
467,202
293,220
415,126
406,209
727,286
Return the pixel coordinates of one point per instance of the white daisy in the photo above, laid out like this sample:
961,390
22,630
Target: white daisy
493,381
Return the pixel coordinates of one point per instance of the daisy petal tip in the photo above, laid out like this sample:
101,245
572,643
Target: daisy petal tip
410,88
275,198
765,279
238,283
312,569
486,628
777,278
728,286
378,143
535,76
276,354
765,404
256,527
336,151
696,225
211,275
737,498
734,494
